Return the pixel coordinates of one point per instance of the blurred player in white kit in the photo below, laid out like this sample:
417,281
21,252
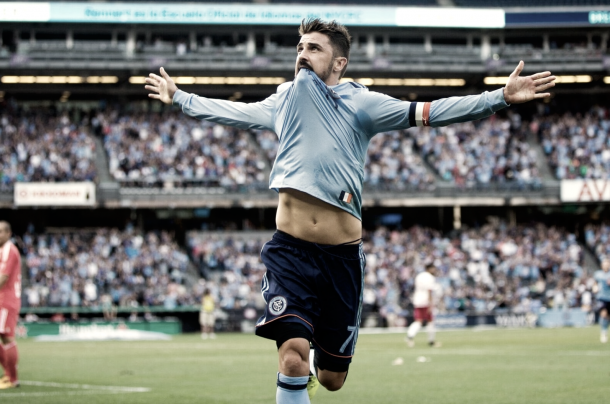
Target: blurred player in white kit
423,302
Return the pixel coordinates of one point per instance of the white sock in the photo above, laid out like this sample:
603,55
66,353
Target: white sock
292,390
413,329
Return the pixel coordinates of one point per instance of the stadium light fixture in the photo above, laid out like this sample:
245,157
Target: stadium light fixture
421,82
188,80
490,81
607,79
102,79
58,79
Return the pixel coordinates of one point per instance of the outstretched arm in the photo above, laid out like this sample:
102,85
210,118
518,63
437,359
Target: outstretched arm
523,89
256,115
163,87
381,113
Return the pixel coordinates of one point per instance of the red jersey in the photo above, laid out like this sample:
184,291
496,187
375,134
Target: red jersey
10,264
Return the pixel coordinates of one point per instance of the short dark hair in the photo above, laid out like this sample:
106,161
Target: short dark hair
430,267
338,35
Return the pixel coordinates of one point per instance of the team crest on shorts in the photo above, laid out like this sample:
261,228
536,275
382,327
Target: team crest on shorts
277,305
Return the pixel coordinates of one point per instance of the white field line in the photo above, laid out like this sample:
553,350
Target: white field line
121,389
490,353
59,393
77,389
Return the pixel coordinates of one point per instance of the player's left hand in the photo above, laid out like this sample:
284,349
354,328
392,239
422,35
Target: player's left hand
524,89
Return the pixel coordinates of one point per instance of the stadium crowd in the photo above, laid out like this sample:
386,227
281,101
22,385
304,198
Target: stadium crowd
44,145
495,267
89,268
490,151
169,149
576,145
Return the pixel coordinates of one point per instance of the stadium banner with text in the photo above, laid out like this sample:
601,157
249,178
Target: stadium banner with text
585,190
565,318
36,329
450,321
54,194
254,14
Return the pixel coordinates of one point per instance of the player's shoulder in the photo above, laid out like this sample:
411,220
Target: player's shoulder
283,87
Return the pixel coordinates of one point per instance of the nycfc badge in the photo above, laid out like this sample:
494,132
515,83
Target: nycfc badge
277,305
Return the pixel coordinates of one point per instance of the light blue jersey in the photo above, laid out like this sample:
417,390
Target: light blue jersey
602,279
324,131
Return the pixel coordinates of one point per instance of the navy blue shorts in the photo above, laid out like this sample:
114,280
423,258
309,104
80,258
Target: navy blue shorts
318,286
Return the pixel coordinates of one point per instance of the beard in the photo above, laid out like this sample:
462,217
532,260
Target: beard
323,75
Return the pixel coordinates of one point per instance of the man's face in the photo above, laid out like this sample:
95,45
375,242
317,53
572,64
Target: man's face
314,52
5,235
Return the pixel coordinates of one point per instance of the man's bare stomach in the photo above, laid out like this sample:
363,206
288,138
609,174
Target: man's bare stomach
310,219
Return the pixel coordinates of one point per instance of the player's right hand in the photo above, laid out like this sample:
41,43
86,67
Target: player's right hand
163,87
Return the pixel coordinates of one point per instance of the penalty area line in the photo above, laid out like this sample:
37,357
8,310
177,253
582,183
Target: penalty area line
122,389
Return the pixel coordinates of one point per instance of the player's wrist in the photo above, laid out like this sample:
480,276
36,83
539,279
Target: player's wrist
507,98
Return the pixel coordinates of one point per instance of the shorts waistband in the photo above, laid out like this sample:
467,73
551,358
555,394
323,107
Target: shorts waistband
285,238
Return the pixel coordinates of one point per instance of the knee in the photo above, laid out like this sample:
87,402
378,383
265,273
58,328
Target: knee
331,381
294,359
292,363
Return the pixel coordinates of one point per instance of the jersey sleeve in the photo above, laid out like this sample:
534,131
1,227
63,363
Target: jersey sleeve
446,111
381,113
256,115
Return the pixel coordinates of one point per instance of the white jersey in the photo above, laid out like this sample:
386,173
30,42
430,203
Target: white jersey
424,284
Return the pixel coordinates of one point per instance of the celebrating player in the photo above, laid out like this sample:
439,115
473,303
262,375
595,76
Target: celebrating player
423,301
10,303
315,264
603,299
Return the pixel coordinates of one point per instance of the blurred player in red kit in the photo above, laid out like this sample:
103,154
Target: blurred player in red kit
10,303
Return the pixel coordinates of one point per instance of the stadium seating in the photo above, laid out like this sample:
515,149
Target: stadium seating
576,146
169,150
480,154
76,268
172,150
496,267
44,145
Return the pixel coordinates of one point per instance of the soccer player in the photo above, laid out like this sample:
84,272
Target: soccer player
423,302
10,303
603,299
313,284
206,315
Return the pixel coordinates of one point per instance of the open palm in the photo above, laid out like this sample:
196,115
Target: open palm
163,87
522,89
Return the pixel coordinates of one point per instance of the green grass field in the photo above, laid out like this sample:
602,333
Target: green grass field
496,366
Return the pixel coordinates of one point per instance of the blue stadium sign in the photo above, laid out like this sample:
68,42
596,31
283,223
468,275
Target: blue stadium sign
276,14
255,14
